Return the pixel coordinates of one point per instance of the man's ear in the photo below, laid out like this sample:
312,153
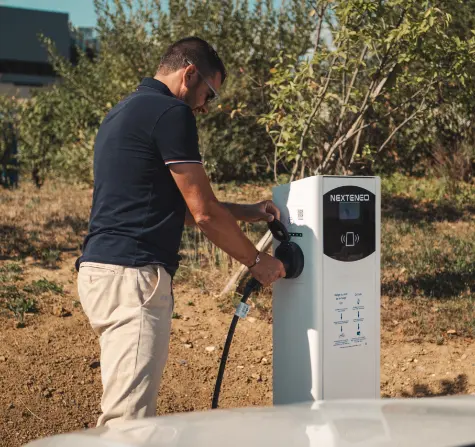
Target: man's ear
188,75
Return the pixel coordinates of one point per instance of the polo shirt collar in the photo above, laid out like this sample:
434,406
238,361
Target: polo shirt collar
156,85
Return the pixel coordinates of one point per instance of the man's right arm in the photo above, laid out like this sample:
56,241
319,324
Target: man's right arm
219,225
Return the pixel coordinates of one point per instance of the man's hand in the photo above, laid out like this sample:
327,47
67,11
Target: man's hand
265,211
268,270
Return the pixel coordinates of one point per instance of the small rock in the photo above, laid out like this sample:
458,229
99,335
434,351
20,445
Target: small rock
188,345
11,406
264,361
415,360
257,353
256,376
210,348
240,367
395,322
3,358
95,364
403,369
186,318
60,311
384,379
411,360
452,332
47,394
182,362
251,319
464,357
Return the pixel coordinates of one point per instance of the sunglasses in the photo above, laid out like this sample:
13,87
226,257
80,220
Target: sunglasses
213,95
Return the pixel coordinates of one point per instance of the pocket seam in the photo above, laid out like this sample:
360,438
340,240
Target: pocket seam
104,268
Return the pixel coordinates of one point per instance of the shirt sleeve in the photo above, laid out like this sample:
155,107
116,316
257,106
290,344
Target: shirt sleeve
175,136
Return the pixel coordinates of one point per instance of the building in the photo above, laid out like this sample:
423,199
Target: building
23,59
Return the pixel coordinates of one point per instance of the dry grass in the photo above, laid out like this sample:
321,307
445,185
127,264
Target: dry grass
42,224
428,277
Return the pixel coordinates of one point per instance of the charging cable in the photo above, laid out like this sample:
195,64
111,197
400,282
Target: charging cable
241,312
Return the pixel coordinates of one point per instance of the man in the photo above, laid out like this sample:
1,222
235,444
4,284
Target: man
149,181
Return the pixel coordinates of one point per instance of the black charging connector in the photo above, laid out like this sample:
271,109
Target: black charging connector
291,255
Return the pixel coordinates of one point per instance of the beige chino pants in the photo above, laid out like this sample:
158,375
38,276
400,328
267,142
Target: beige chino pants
130,308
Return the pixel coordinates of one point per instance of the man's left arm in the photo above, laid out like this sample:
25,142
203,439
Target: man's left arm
265,211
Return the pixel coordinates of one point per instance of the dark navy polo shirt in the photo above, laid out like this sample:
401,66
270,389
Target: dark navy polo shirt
138,212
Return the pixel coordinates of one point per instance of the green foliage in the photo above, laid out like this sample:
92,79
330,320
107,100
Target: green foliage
60,124
352,86
371,93
10,272
17,302
444,258
431,192
50,256
42,286
9,115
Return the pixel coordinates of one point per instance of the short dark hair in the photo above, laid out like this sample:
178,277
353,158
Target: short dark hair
198,52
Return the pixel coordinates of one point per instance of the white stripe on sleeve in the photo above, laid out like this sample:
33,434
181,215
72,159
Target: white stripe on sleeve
179,162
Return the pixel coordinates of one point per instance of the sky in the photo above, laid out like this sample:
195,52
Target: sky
81,12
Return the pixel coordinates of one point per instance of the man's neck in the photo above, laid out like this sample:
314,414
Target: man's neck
172,81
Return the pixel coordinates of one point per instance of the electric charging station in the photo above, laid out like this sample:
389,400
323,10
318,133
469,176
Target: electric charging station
326,322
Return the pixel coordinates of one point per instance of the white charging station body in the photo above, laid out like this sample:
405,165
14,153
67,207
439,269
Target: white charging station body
326,322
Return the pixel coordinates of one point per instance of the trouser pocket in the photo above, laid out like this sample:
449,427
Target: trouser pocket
154,286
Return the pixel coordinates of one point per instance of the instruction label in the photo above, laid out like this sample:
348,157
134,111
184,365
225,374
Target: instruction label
349,320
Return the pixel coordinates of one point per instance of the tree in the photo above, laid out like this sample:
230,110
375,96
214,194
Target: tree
382,70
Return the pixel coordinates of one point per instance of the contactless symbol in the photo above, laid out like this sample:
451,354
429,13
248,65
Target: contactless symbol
350,239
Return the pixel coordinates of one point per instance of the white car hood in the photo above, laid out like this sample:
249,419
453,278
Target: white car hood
434,422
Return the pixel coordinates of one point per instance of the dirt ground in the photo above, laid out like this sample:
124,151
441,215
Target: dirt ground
50,371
